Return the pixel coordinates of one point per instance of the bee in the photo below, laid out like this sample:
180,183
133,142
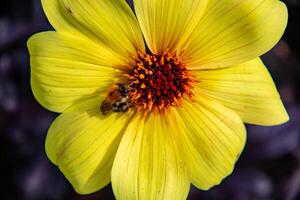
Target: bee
117,99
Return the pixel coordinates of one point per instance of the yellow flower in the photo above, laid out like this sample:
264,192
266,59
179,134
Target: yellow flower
187,98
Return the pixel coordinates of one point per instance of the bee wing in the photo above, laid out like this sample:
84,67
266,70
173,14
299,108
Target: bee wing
105,107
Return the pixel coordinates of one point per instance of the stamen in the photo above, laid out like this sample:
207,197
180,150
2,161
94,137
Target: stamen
158,81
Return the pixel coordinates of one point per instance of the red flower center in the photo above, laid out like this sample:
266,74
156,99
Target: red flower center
158,81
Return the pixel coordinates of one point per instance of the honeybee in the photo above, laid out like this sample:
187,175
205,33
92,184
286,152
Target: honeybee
117,99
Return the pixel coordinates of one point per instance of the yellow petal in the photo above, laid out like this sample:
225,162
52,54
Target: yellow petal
109,22
66,68
148,164
83,143
234,31
214,138
165,23
248,89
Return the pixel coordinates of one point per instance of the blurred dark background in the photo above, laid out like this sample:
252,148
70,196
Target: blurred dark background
268,169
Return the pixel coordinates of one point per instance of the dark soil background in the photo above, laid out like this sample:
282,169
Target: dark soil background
268,169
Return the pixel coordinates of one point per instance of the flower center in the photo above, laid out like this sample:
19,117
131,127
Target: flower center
158,81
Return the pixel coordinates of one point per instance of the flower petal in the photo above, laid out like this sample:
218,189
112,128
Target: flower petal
83,143
66,68
109,22
148,164
214,138
165,23
234,31
248,89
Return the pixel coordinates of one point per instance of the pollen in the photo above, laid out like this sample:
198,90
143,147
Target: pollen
159,81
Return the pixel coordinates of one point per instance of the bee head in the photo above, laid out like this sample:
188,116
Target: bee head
123,89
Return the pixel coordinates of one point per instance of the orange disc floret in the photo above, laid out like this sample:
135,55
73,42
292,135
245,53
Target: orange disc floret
158,81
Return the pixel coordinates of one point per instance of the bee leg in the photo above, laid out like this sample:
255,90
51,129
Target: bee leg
125,108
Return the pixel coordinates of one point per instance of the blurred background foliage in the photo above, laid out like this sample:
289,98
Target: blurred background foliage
269,168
